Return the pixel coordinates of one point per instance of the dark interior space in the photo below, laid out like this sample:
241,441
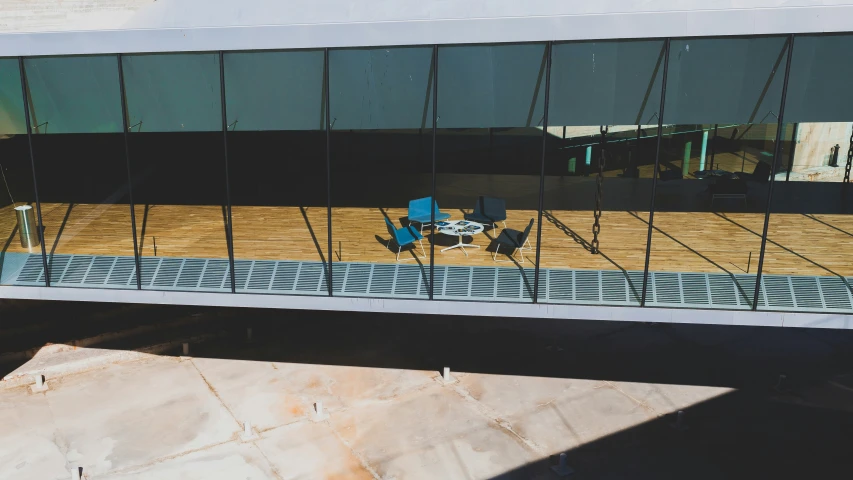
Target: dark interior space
81,168
17,170
185,168
277,168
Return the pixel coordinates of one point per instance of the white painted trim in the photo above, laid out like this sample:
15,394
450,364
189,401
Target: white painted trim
756,21
436,307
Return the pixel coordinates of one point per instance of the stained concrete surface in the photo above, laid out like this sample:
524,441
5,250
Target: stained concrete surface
524,391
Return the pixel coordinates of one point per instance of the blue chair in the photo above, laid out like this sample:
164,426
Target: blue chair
419,212
513,240
403,237
489,210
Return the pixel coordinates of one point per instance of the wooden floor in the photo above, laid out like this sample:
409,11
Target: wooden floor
685,242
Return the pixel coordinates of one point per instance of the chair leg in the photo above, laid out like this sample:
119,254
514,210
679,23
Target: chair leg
398,252
495,256
422,248
504,222
521,252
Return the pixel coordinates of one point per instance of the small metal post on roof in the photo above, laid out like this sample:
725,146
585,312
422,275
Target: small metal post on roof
562,469
680,422
319,413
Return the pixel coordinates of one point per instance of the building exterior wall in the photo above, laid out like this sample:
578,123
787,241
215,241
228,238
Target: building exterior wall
620,174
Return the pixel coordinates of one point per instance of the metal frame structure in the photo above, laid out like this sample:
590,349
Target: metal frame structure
537,285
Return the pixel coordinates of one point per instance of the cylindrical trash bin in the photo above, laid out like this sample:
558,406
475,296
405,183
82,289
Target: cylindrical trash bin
27,227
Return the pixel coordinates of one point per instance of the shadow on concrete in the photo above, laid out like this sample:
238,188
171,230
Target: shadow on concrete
752,432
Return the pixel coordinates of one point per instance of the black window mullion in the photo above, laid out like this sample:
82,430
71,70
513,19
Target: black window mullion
136,252
328,166
40,229
655,173
228,231
542,172
777,148
432,195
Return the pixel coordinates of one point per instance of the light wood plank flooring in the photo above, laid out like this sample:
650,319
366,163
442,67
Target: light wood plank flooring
686,242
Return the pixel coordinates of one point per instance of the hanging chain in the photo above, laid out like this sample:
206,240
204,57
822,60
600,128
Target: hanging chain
849,161
596,225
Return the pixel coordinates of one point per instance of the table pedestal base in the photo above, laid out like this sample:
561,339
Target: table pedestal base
460,245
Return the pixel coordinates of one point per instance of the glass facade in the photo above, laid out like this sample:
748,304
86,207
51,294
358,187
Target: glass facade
177,170
599,161
678,172
381,160
491,102
275,108
22,245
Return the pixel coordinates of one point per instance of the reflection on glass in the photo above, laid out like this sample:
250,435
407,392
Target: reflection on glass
810,234
381,161
603,116
277,171
491,105
721,112
75,110
177,167
20,250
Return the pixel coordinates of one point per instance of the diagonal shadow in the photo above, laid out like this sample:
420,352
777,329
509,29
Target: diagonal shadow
843,279
636,290
810,215
747,296
6,247
144,225
59,234
304,213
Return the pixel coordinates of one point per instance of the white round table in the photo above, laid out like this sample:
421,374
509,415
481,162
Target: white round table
460,228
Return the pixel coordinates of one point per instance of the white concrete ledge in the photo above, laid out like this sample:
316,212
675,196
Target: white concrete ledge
585,26
437,307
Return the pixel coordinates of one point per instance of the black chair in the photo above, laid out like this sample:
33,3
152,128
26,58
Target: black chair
513,240
669,174
489,210
731,188
761,173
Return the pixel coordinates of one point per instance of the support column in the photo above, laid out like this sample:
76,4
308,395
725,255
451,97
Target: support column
23,75
655,175
777,148
542,170
704,150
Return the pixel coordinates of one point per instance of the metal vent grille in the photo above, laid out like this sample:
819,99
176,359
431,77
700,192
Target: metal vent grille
481,283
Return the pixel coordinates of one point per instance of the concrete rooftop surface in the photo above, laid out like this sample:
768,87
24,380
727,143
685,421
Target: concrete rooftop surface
603,393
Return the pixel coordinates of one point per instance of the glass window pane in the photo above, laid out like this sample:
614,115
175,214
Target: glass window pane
274,90
74,94
178,176
810,233
491,86
619,81
20,250
82,170
277,171
381,160
615,85
725,80
715,164
11,101
488,163
173,92
817,93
